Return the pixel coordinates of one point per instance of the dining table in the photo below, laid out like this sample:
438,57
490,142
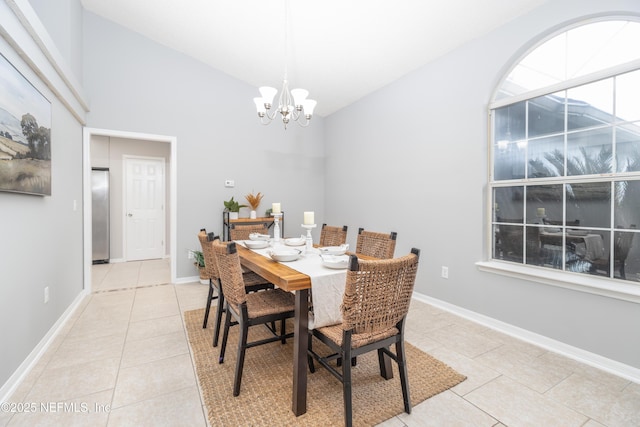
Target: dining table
285,276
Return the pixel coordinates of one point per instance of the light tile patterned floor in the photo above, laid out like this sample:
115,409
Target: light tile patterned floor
123,360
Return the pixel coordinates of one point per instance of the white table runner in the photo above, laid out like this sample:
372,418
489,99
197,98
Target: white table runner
327,286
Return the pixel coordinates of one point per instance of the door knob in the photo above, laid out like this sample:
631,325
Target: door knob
129,214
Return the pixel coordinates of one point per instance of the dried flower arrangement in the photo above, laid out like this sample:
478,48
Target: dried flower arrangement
254,200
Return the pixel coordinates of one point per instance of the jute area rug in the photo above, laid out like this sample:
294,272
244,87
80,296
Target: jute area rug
265,394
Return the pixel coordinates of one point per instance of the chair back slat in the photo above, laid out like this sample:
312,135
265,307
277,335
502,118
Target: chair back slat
230,272
210,263
333,236
242,231
378,292
377,245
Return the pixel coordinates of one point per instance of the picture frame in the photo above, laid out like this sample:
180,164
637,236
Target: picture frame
25,134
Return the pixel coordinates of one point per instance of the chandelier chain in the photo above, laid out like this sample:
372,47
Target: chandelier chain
292,105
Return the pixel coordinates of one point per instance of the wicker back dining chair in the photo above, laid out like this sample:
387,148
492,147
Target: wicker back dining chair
622,243
249,309
242,231
252,281
374,308
377,245
331,235
211,272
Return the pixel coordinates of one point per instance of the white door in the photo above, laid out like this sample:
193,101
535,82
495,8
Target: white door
144,208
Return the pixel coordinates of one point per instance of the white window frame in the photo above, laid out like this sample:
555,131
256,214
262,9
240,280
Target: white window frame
598,285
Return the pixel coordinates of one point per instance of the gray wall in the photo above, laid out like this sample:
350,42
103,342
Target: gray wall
62,20
421,145
41,240
137,85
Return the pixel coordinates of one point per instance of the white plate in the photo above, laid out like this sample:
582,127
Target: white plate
285,255
335,261
256,244
258,236
334,250
295,241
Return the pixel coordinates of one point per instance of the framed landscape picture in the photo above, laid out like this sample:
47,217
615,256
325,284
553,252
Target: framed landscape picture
25,134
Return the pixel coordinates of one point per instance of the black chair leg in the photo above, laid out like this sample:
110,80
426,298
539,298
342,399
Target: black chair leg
283,331
346,390
219,310
384,361
208,307
404,378
225,336
242,347
354,361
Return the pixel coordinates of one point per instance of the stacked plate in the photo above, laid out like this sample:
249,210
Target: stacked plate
258,236
335,261
284,255
256,244
334,250
295,241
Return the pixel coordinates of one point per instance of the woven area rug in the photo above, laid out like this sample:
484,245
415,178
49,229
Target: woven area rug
265,394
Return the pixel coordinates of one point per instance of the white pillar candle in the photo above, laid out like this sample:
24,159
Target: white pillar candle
275,208
308,218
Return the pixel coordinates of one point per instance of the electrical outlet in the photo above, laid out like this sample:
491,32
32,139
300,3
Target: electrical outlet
445,272
46,294
229,183
190,254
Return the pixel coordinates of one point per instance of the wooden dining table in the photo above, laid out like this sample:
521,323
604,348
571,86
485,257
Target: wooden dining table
290,280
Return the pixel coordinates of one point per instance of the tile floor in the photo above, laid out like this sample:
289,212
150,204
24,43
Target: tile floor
123,360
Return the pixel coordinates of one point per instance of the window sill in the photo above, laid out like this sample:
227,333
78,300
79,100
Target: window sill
574,281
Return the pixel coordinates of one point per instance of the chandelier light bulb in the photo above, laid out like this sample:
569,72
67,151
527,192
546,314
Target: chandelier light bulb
309,105
260,106
299,95
268,93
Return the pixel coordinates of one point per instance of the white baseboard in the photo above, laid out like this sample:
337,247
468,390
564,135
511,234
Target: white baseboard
183,280
117,260
25,367
614,367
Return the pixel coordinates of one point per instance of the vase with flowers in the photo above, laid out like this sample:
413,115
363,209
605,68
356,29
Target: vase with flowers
254,200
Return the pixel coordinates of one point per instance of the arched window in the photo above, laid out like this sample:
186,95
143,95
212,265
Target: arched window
565,151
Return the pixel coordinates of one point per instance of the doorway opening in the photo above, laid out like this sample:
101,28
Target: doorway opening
90,134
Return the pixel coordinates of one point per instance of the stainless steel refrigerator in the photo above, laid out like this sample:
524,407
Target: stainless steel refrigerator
100,214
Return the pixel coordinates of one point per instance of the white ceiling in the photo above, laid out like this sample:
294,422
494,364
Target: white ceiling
339,50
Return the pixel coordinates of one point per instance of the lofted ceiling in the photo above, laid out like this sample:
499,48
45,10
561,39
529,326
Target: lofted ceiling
339,50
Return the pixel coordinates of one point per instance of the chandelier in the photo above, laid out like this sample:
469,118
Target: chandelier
292,105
